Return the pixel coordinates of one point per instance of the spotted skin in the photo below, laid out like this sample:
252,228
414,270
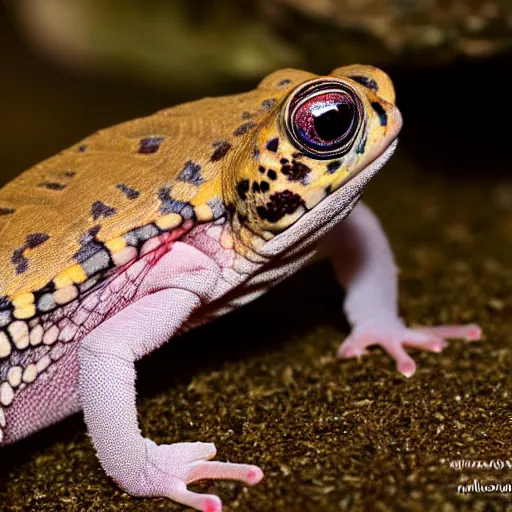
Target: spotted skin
160,224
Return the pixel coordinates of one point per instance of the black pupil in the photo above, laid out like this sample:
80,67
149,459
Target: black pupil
334,123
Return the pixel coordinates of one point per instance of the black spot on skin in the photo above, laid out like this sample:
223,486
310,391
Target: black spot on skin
284,160
82,148
268,104
150,145
296,171
130,193
255,187
246,115
7,211
221,149
297,155
90,235
5,303
100,209
280,204
256,153
261,169
264,186
52,186
368,82
362,146
241,218
379,109
244,128
35,239
334,166
191,173
87,251
170,205
242,188
273,144
272,174
22,267
284,82
19,261
18,256
70,174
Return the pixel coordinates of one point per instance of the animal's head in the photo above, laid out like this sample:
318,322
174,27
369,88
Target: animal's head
317,135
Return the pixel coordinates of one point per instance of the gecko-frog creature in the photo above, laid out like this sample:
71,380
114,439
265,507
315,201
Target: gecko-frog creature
141,231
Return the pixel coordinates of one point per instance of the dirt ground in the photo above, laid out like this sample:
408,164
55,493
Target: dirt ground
264,384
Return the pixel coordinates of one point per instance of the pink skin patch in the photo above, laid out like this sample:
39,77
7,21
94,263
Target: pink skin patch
394,338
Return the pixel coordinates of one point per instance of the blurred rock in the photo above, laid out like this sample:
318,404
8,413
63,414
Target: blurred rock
417,30
202,45
195,44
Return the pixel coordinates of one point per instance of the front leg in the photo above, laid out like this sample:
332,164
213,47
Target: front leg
107,394
365,267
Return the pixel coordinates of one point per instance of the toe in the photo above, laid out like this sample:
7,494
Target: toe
432,344
404,363
204,502
470,332
352,350
225,471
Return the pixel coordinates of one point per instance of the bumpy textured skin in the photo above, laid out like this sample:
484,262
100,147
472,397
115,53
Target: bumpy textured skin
146,229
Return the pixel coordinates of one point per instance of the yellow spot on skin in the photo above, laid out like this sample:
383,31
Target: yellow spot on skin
168,221
25,299
19,333
115,245
124,256
5,345
207,191
62,280
74,274
43,363
30,373
50,336
203,213
36,335
25,312
14,376
65,295
6,394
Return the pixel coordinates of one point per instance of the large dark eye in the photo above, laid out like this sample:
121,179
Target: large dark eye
324,120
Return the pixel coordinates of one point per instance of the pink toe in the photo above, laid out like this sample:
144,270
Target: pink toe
439,345
254,476
471,332
474,332
212,505
350,351
407,368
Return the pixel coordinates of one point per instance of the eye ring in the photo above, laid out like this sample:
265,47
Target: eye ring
324,118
